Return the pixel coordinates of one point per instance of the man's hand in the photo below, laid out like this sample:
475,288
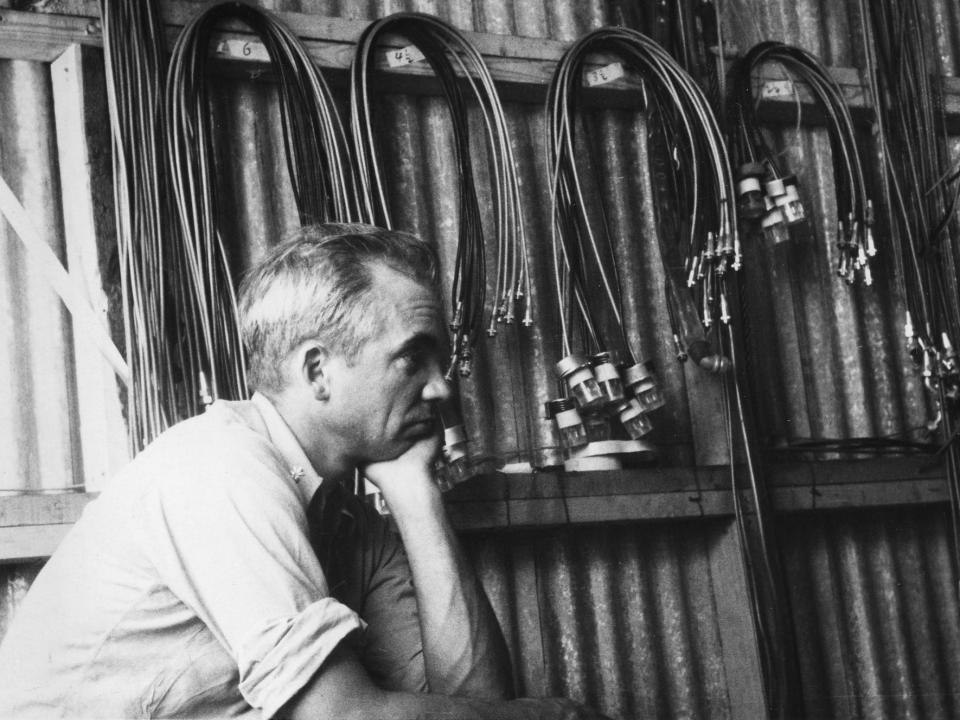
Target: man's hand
404,478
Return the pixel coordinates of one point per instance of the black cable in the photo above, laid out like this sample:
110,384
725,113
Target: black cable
318,159
856,242
135,67
702,173
455,62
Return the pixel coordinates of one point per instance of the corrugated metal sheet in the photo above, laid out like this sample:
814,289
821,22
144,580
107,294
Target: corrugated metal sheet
623,617
37,383
875,604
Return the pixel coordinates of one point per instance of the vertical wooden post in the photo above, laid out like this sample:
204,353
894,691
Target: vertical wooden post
741,657
83,138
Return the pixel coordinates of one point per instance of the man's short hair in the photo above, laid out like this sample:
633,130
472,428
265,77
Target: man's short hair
316,284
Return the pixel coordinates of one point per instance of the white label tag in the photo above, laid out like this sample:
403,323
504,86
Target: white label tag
404,56
243,49
606,74
776,89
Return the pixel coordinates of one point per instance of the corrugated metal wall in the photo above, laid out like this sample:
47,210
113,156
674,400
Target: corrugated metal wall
37,385
624,617
875,605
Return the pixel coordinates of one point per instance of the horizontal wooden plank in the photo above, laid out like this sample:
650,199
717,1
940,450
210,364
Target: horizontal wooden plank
42,509
31,523
493,501
522,66
30,542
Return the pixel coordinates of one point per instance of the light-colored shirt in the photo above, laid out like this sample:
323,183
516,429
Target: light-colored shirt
190,587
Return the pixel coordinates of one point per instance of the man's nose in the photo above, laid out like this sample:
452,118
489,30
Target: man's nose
437,388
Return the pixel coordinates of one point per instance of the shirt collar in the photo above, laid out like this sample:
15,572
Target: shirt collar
301,470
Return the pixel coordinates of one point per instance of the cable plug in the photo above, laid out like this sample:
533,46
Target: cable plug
908,327
868,222
949,357
527,315
870,243
206,397
710,249
509,316
694,271
457,322
679,349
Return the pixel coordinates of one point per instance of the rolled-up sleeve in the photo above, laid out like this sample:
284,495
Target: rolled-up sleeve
288,653
227,533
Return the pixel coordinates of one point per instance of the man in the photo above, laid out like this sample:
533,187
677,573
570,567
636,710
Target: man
191,587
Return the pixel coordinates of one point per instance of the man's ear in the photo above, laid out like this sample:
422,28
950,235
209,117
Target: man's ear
315,371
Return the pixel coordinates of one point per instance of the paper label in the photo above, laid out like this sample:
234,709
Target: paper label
606,74
404,56
243,49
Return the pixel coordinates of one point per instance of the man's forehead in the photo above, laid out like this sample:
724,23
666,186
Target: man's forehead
407,308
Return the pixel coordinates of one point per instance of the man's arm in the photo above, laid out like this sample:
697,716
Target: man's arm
342,689
463,647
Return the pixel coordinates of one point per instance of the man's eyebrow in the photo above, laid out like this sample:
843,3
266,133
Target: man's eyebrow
420,341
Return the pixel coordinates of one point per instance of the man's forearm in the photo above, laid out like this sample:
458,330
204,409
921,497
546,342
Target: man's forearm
342,689
464,651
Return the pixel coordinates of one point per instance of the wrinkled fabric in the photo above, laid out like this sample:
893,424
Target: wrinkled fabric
190,587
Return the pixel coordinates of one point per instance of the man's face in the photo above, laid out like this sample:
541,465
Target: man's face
383,400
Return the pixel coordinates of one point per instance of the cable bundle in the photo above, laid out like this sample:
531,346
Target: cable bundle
781,205
135,62
317,159
707,232
922,209
921,201
450,54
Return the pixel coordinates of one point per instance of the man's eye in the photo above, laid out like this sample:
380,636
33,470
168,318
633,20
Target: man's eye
412,361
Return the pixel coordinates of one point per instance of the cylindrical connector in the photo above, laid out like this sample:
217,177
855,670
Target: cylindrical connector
633,419
750,191
575,371
774,226
775,188
569,424
789,203
642,381
608,378
454,443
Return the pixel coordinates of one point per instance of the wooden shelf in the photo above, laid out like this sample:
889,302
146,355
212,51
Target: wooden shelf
551,498
31,526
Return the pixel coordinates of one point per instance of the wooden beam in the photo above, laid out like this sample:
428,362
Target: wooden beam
522,66
554,498
738,636
31,526
83,146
